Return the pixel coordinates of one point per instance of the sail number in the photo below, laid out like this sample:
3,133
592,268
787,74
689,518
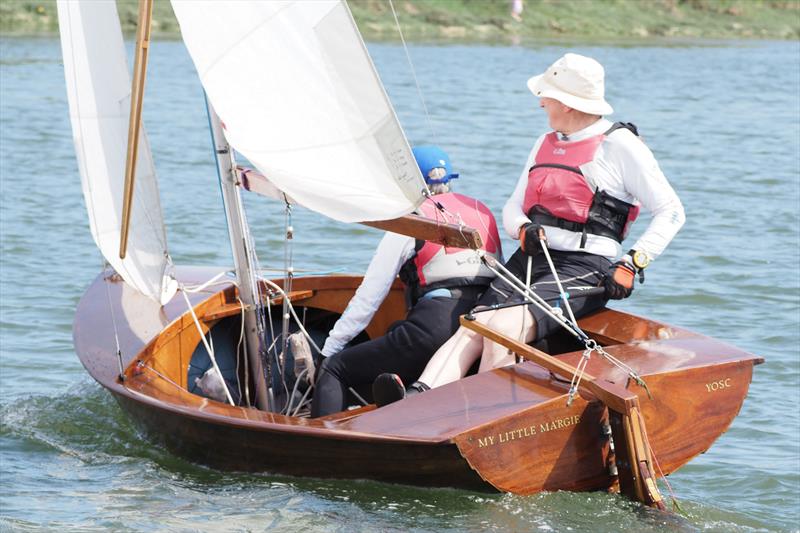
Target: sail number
720,384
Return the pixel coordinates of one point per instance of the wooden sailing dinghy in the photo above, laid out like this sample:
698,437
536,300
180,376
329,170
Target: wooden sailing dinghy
509,428
516,429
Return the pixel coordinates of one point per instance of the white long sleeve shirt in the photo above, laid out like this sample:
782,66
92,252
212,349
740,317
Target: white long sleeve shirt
625,168
391,253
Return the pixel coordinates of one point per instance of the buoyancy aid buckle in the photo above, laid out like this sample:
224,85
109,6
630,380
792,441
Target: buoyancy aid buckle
607,217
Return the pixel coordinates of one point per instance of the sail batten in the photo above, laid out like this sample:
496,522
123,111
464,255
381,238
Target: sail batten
299,97
99,93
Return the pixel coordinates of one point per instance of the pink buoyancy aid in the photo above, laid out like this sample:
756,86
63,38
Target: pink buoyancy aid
435,265
558,194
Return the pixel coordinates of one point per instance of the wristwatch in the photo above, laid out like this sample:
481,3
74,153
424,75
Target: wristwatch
640,262
640,259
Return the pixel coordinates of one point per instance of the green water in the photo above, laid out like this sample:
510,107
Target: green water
724,122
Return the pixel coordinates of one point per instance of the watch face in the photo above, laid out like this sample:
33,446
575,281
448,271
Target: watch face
640,259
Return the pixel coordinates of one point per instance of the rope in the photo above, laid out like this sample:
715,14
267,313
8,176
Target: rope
252,259
288,305
517,285
191,289
302,400
453,217
675,503
215,280
287,284
311,341
294,314
625,368
159,374
116,329
209,283
575,383
307,272
563,294
413,73
247,242
524,310
358,396
209,349
264,314
246,362
591,345
294,390
489,235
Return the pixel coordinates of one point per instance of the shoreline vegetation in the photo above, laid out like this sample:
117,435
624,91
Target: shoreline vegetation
493,21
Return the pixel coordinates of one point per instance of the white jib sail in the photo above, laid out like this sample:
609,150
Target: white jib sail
299,97
99,94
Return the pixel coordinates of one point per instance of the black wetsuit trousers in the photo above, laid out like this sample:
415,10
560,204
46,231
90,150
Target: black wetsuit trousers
575,269
405,349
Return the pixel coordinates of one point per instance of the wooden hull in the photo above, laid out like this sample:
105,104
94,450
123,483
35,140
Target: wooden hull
509,429
260,449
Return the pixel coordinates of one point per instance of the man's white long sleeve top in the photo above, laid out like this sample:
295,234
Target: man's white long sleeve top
625,168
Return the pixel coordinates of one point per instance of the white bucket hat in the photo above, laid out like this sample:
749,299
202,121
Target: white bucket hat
575,81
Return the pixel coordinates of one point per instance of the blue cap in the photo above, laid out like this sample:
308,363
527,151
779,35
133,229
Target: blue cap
429,157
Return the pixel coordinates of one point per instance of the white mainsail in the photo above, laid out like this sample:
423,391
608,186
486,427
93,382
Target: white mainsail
299,97
99,94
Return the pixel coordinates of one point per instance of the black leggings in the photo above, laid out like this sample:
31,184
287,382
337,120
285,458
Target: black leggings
575,269
405,349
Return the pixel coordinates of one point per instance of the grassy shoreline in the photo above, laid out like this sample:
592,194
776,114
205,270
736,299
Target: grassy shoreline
491,21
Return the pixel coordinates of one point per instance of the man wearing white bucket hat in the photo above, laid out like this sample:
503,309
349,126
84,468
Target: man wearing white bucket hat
580,189
577,82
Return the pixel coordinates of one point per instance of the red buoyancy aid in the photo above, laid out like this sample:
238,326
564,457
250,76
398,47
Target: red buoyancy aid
559,195
434,266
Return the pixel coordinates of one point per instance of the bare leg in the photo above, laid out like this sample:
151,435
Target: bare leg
508,322
452,361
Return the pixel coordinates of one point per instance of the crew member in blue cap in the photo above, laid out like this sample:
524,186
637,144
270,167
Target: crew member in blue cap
441,284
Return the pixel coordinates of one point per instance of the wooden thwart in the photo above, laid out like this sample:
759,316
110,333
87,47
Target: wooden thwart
633,455
236,308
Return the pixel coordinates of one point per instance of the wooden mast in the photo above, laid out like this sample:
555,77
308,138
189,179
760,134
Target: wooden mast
135,122
242,252
633,455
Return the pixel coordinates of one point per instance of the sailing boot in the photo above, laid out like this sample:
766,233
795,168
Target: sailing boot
387,388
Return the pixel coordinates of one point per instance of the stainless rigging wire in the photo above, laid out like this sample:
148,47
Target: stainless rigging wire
413,73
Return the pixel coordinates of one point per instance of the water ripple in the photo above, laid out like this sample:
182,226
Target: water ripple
728,142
